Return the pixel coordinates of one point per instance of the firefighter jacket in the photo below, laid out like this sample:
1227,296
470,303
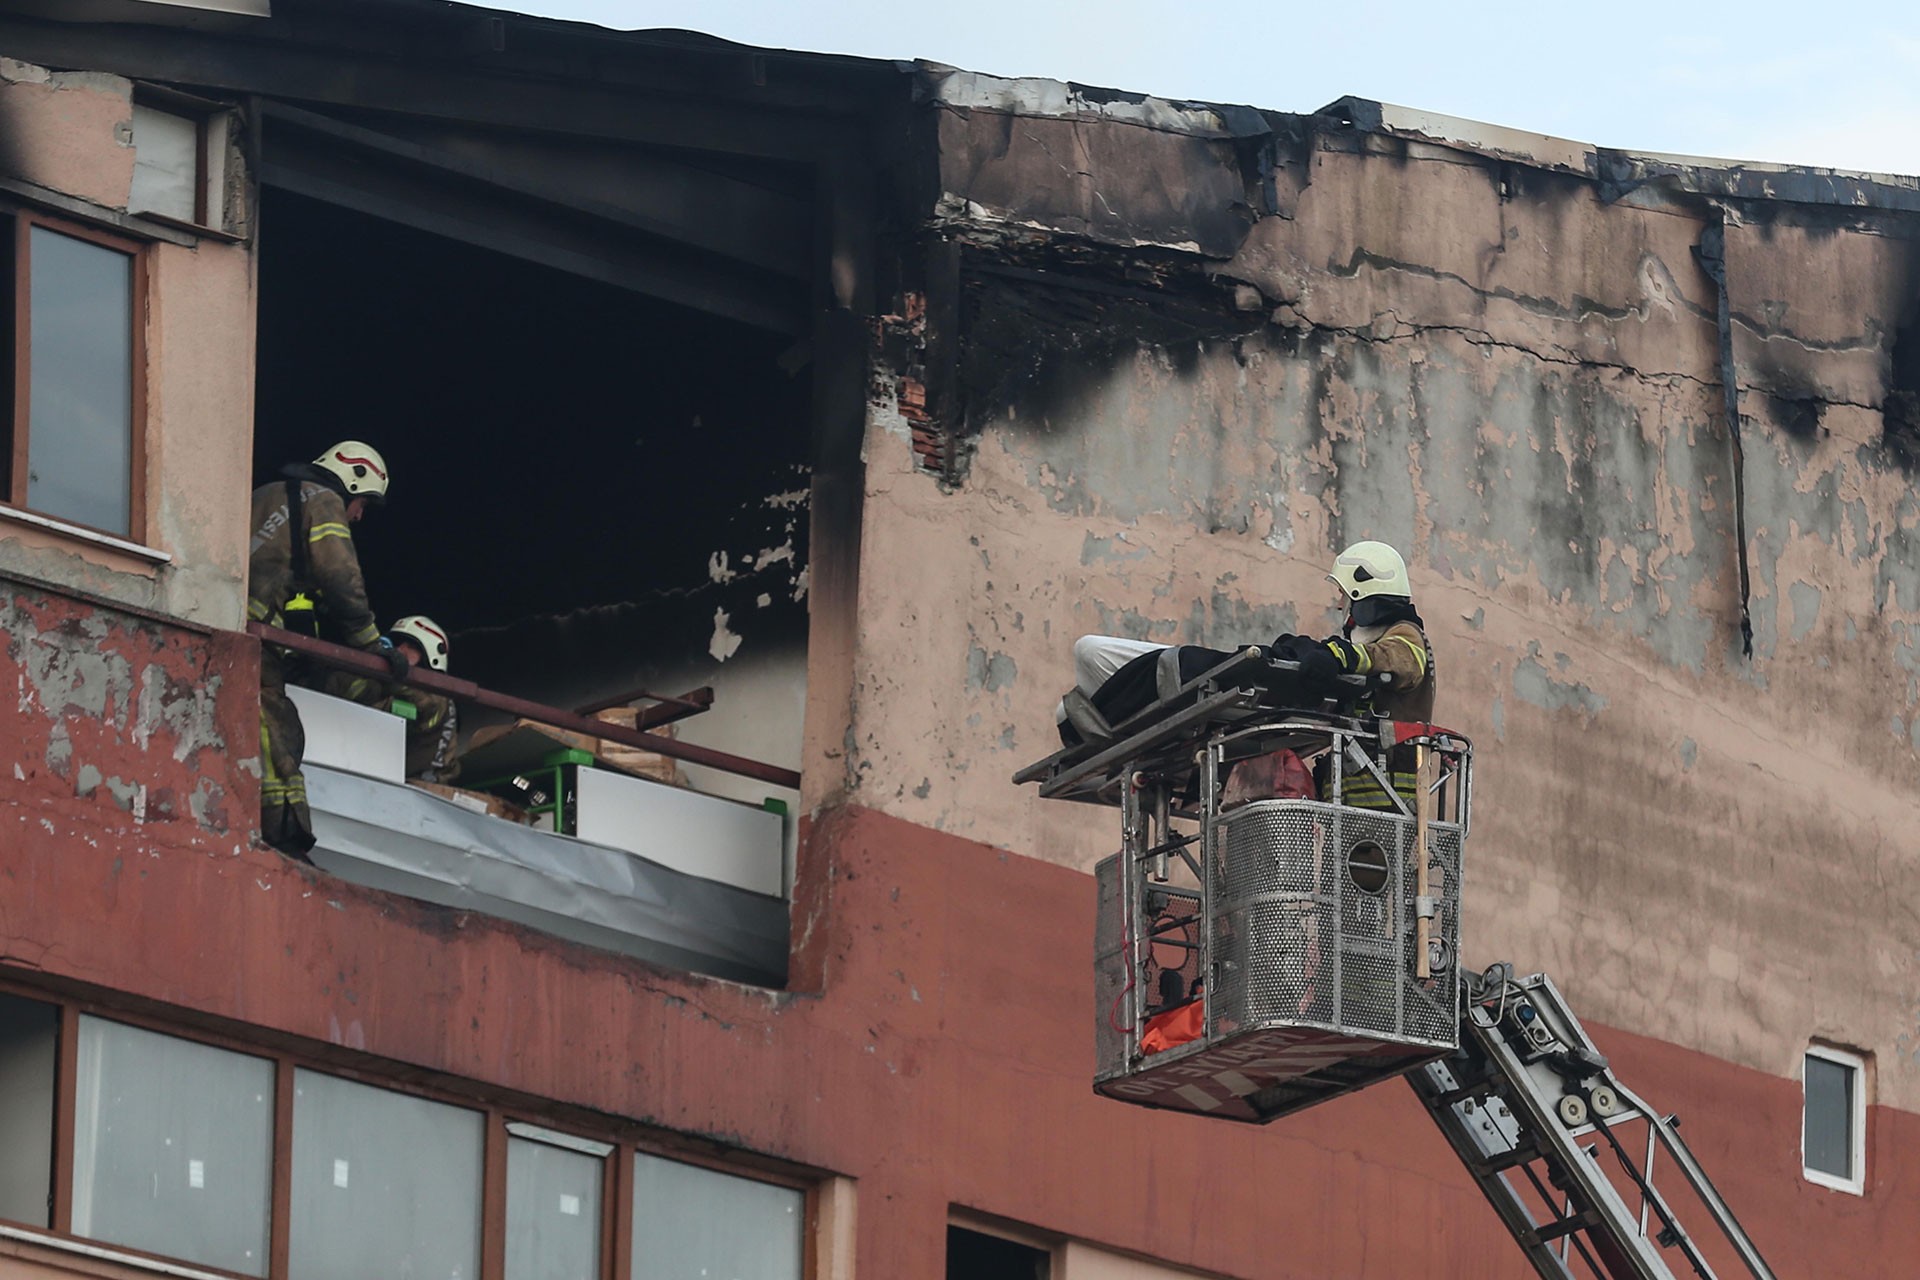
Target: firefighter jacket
317,559
1399,647
431,737
1402,650
432,731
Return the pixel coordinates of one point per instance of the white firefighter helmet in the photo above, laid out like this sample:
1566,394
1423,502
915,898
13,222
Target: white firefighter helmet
1368,569
426,633
359,467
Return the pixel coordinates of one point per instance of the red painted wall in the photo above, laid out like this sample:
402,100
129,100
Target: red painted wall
945,1058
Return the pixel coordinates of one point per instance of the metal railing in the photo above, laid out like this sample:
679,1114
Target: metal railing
360,662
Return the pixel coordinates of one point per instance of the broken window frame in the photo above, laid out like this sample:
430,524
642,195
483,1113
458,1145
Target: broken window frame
196,176
25,219
502,1111
214,123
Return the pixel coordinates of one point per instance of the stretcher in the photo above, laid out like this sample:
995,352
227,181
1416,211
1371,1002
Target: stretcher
1256,955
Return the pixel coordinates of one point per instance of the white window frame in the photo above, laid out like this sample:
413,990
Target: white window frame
214,124
1856,1183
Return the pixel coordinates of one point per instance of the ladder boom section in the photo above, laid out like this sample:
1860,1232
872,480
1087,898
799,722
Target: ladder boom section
1535,1114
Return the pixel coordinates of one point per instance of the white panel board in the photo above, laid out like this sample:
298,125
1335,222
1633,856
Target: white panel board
702,835
345,735
405,840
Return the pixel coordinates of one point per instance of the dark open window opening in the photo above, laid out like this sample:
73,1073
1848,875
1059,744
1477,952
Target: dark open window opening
28,1047
593,490
976,1255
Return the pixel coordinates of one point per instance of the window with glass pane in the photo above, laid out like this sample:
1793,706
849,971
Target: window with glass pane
689,1221
1828,1138
384,1184
553,1205
29,1036
79,392
172,1146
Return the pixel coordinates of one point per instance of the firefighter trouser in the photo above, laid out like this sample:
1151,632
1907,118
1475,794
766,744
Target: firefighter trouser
285,822
1359,789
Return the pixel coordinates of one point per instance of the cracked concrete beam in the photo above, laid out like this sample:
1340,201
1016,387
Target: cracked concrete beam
1547,268
1816,311
1107,182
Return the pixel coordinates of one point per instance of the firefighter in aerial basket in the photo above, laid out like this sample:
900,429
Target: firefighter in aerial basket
1383,638
303,575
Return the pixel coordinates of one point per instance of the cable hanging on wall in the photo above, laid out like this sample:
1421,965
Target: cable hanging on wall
1711,254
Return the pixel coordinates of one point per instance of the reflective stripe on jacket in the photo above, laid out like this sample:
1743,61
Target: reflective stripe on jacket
333,566
1403,650
1361,791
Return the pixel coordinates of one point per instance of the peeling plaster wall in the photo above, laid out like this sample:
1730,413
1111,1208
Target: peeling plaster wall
124,734
71,133
1518,385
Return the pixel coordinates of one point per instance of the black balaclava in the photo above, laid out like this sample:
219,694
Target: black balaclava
1381,611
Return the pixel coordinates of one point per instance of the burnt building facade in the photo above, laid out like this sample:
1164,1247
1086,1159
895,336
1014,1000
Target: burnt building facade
856,391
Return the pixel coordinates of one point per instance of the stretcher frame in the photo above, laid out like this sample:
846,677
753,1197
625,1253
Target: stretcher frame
1166,763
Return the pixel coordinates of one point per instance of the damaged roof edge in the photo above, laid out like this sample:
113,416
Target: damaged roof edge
1618,171
1621,171
1059,99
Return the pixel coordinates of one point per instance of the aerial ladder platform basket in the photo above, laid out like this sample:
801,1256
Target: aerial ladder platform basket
1257,955
1270,937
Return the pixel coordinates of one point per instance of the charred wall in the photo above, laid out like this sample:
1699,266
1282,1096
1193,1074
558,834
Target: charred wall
1514,377
590,485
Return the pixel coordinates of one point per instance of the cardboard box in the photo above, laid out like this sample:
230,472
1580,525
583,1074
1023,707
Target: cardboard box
475,801
646,764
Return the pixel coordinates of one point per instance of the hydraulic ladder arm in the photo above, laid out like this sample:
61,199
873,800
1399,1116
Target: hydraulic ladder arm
1532,1109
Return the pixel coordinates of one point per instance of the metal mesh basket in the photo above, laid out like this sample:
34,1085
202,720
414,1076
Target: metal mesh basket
1314,922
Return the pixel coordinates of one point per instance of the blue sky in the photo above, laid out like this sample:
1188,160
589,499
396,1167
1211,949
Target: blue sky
1806,83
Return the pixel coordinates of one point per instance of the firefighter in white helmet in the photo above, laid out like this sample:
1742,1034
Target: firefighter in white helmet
432,723
1384,639
303,574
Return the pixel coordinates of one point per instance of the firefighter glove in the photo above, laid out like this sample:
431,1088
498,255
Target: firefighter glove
1317,662
397,665
1351,657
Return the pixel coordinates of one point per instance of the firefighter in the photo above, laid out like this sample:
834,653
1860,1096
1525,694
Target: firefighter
432,725
304,575
1383,638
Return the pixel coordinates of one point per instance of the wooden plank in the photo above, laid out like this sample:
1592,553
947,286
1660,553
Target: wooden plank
1422,815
